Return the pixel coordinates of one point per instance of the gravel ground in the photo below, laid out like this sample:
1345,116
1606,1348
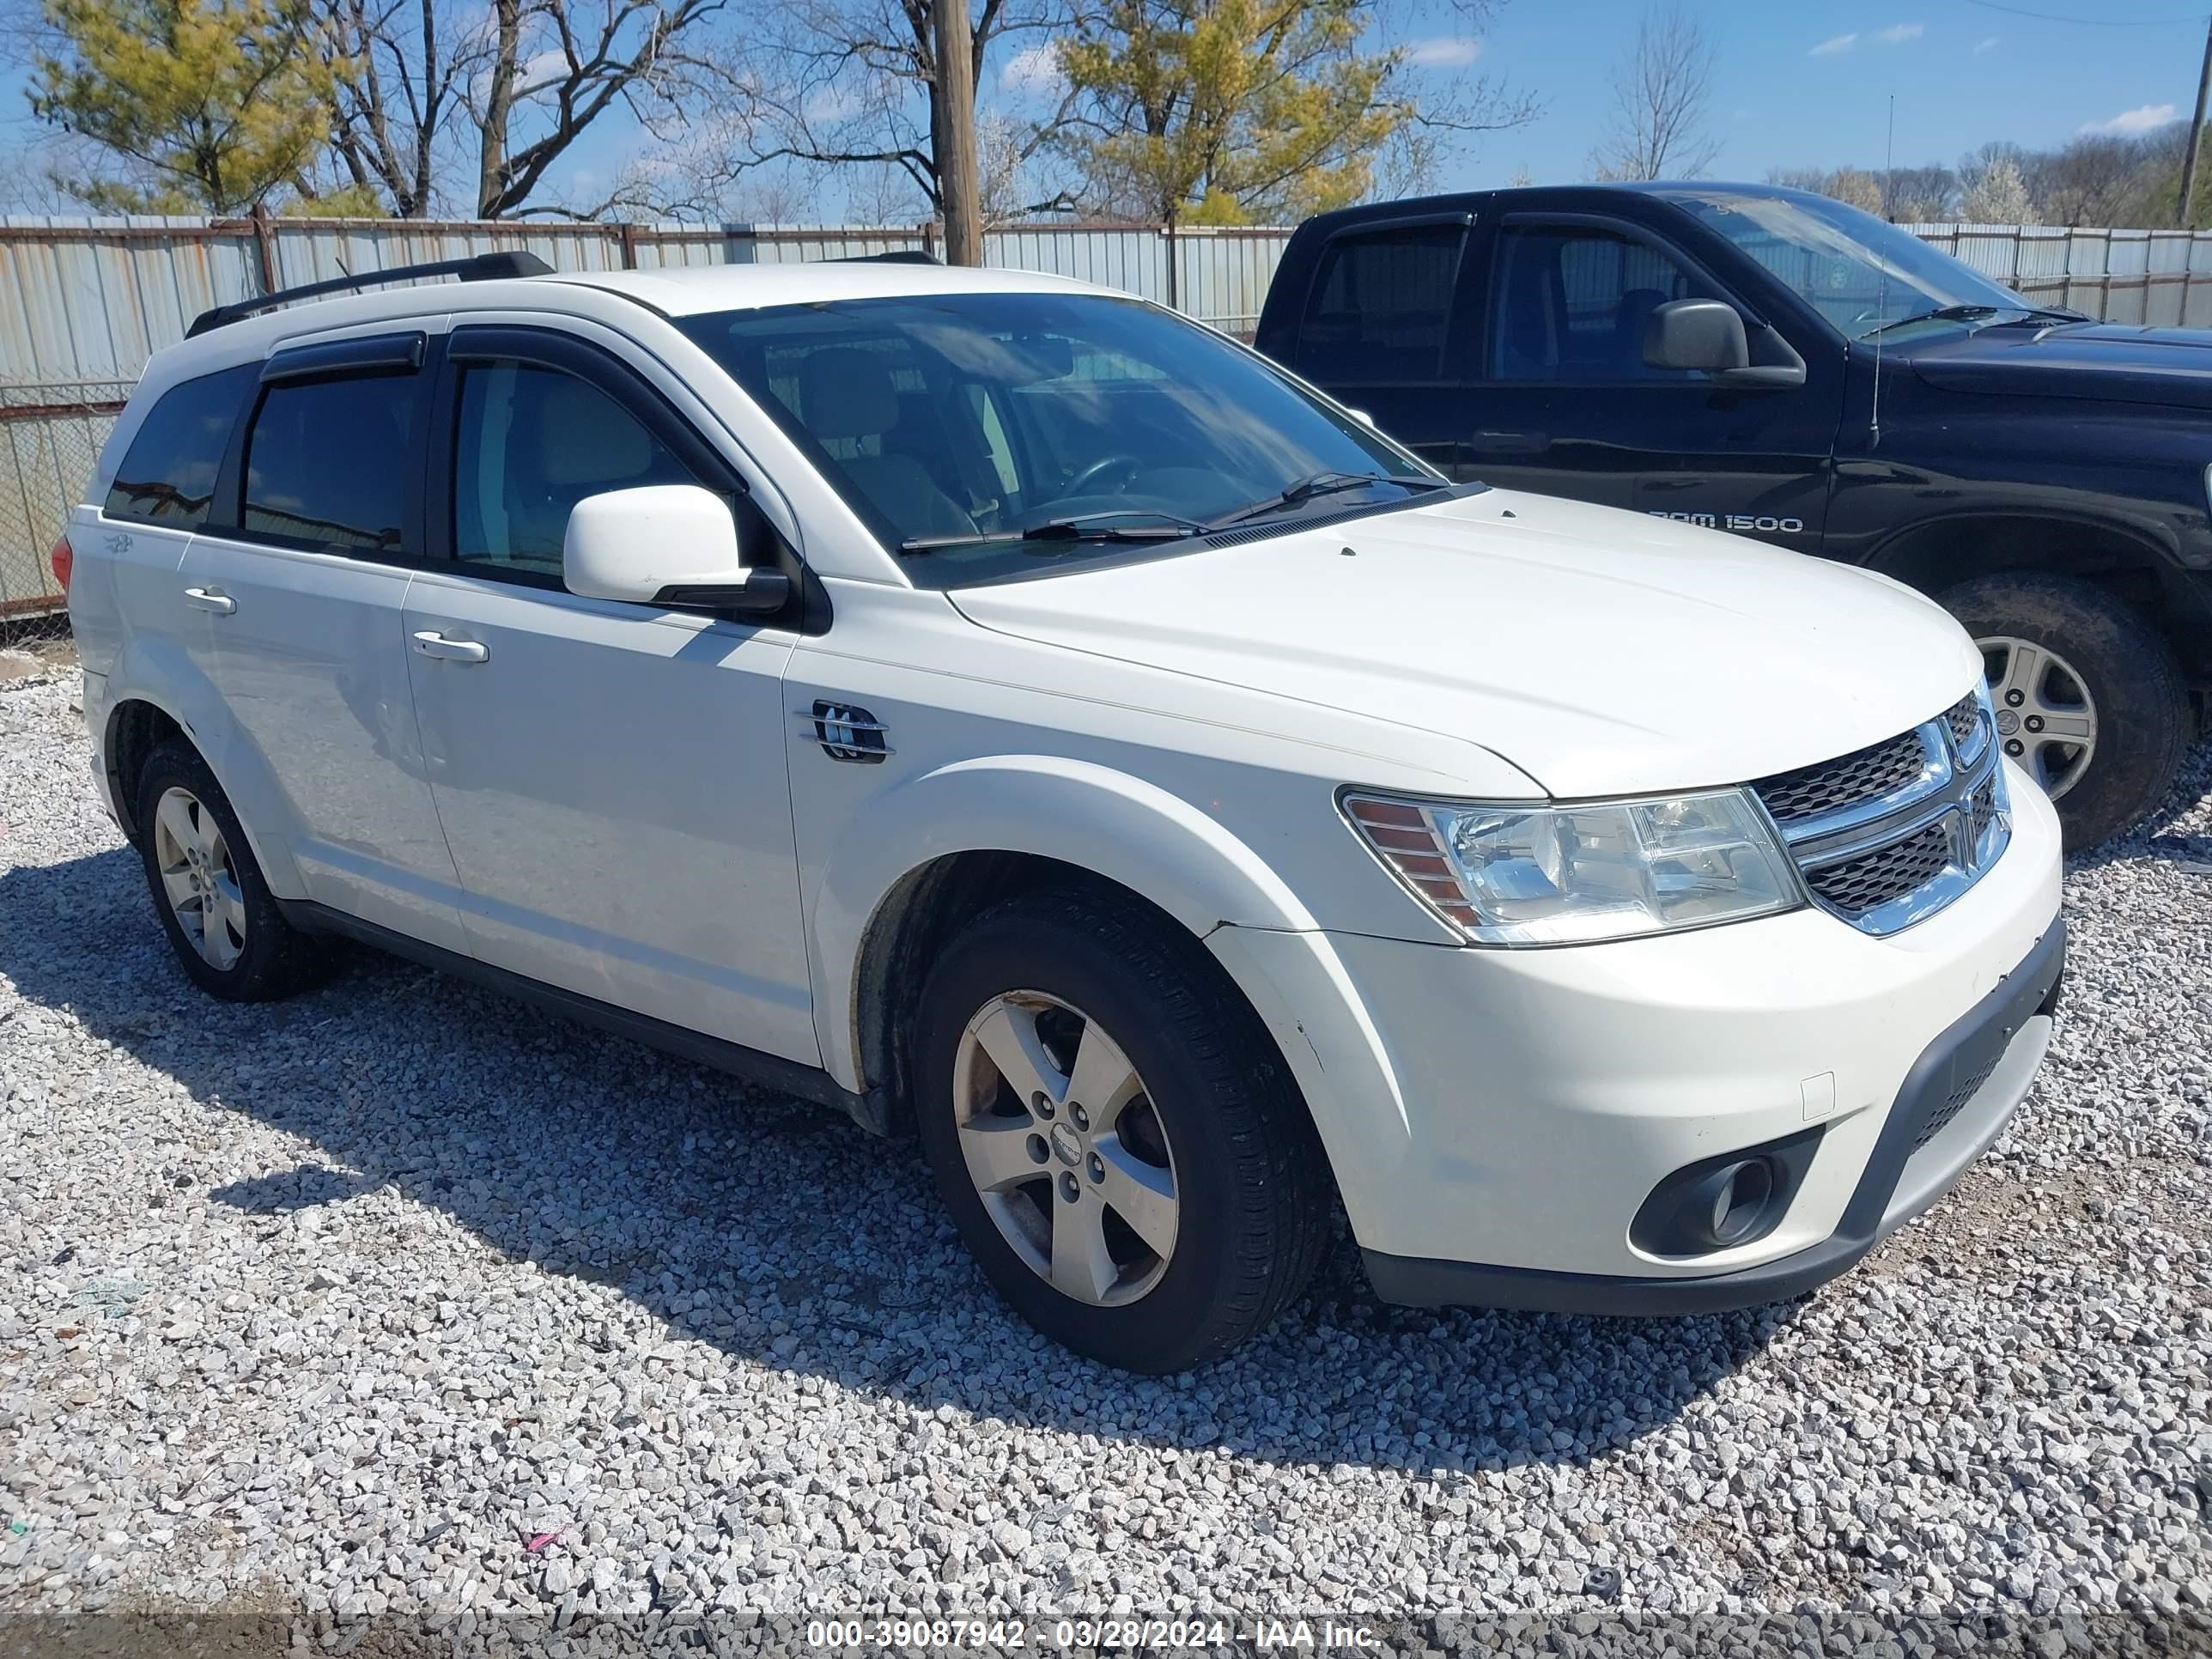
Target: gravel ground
400,1308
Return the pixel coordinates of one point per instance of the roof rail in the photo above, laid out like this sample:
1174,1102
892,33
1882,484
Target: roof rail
904,256
484,267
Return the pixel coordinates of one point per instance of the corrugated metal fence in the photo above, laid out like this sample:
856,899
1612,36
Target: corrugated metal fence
85,302
2155,276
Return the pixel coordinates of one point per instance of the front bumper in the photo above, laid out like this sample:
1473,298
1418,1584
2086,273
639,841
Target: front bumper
1496,1120
1967,1083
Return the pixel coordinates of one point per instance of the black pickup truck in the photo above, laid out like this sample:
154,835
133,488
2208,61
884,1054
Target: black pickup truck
1780,365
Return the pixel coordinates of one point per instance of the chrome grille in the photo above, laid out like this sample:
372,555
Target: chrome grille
1968,731
1890,834
1811,792
1874,879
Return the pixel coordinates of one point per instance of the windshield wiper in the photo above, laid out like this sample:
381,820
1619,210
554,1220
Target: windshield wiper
1076,527
1322,484
1966,312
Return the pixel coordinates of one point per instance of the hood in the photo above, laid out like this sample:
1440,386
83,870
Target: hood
2116,362
1601,652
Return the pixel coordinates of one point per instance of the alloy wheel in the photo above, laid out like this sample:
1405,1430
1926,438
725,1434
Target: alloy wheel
199,878
2046,719
1065,1148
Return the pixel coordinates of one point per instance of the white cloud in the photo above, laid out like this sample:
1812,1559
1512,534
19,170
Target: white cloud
1835,44
831,103
1898,33
540,71
1989,44
1033,69
2128,122
1455,50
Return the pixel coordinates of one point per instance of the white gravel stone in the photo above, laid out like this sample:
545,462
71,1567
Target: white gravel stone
337,1304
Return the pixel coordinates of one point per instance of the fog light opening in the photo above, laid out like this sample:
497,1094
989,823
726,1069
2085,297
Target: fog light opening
1740,1200
1728,1200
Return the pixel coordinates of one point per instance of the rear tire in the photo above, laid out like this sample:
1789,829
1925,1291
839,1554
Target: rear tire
223,922
2102,667
1195,1140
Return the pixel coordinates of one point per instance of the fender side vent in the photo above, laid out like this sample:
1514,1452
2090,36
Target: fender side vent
848,733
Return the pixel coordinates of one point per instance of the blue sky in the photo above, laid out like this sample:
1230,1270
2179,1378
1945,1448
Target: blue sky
1799,82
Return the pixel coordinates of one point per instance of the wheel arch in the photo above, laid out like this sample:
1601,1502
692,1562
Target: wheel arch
1934,554
971,835
1016,818
921,914
155,691
136,727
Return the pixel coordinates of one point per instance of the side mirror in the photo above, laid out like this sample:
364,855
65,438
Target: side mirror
663,544
1699,334
1362,417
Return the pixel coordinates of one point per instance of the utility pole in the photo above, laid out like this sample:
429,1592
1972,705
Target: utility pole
955,137
2196,137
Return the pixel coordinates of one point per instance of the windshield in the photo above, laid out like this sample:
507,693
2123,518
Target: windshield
951,423
1862,274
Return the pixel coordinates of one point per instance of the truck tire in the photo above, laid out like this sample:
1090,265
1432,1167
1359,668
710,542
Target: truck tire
228,935
2065,659
1172,1214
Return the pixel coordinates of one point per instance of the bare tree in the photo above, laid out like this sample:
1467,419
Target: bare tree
1662,93
851,87
2094,180
1853,186
1919,195
433,88
407,67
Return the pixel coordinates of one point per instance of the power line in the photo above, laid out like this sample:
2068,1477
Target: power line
2093,22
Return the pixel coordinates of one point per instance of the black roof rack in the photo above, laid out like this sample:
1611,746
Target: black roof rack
484,267
905,256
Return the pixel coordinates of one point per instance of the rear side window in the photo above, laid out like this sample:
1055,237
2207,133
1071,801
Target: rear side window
327,461
1381,306
168,476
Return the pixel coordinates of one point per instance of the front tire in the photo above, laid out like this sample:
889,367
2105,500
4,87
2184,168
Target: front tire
1114,1134
220,918
2089,699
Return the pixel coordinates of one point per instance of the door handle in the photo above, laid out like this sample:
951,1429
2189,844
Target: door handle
1513,443
210,598
445,650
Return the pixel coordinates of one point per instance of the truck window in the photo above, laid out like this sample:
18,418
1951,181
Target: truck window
1571,303
1381,306
168,475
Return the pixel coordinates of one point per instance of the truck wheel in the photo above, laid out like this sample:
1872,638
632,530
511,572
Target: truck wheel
1114,1134
2089,699
216,909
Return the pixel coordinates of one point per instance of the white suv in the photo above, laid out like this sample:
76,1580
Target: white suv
989,703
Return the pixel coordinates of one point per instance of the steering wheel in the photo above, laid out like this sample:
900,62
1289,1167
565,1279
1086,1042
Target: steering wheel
1082,483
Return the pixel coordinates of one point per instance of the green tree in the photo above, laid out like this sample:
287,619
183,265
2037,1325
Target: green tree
1220,111
209,105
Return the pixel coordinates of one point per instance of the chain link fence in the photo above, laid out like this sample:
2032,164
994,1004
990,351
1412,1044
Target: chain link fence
51,434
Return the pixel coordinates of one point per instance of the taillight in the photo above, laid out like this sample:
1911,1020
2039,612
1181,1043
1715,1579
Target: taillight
64,562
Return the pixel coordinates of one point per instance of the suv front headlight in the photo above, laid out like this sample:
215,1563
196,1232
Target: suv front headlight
1570,875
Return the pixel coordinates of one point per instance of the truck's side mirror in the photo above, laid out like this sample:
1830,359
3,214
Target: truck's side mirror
663,544
1698,334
